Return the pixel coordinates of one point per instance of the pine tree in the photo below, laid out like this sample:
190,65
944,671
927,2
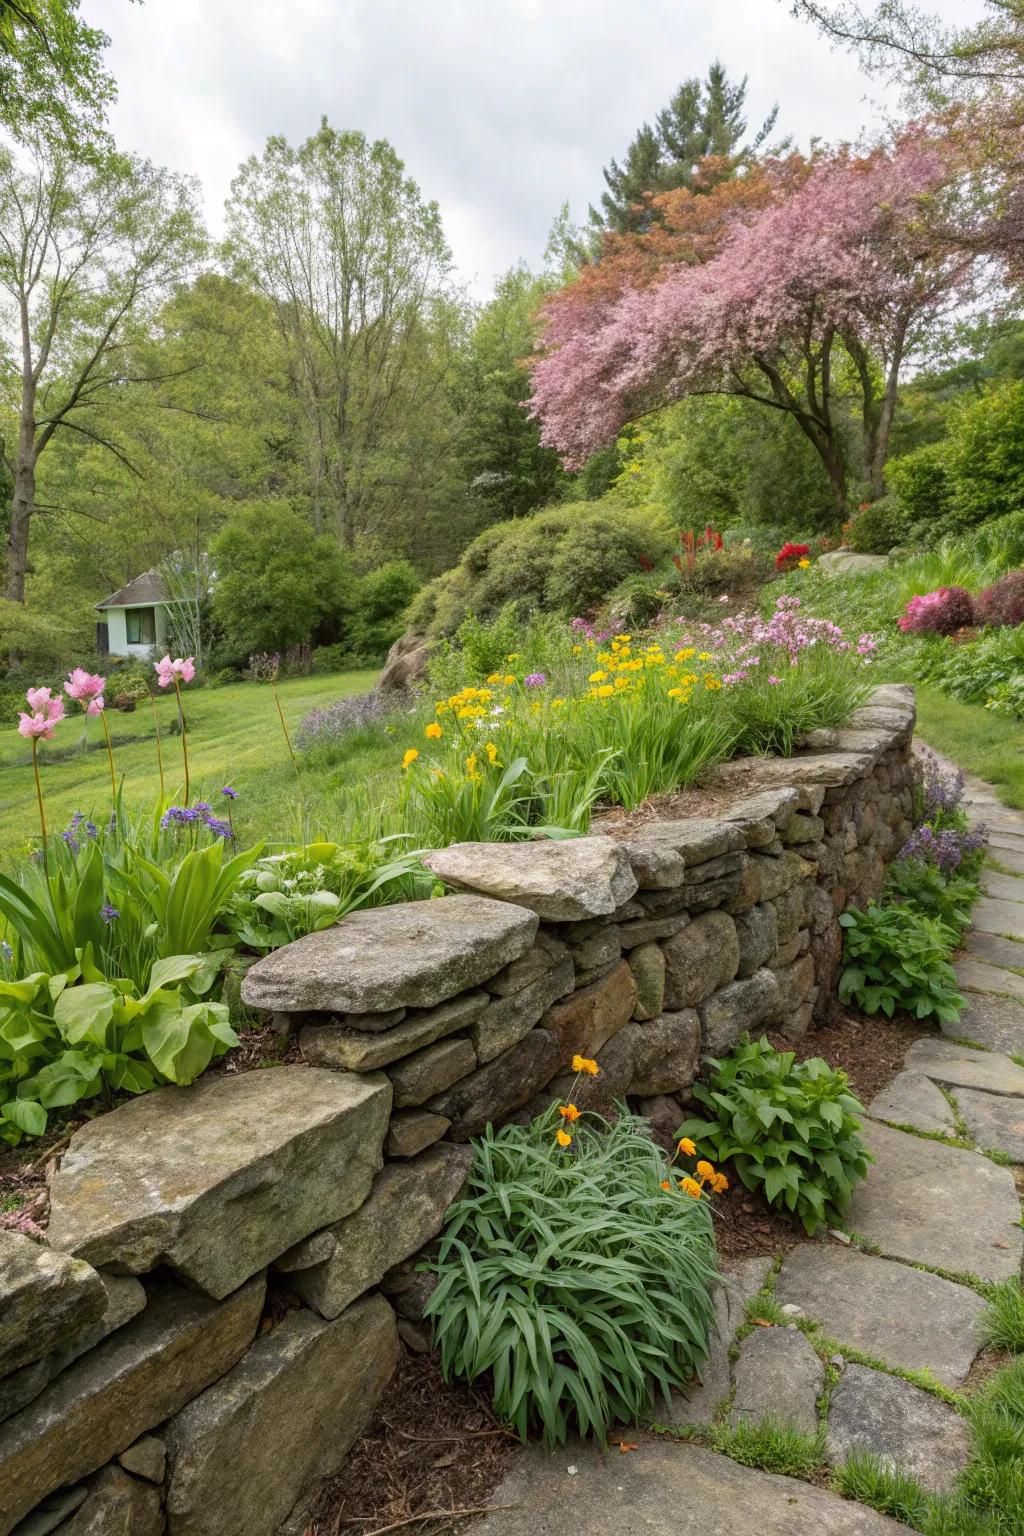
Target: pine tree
704,118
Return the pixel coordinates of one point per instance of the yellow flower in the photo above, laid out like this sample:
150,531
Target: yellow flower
705,1170
623,639
685,654
495,677
687,1147
802,565
563,1138
711,683
584,1064
471,763
605,691
719,1183
410,757
704,656
691,1187
509,679
557,703
577,650
597,677
441,709
492,752
433,731
512,656
568,1111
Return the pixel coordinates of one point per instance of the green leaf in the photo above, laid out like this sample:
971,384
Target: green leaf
84,1013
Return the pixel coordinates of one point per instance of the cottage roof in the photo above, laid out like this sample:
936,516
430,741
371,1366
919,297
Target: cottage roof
143,591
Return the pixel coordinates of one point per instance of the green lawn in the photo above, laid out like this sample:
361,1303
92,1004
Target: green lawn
234,738
980,742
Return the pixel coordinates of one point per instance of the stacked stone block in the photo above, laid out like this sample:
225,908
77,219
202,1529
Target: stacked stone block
229,1267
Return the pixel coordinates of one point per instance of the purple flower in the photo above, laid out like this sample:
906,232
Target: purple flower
774,680
91,829
218,828
229,793
535,680
108,913
69,838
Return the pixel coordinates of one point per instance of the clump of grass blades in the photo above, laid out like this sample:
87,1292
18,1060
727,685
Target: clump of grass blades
773,1445
1003,1322
870,1481
573,1278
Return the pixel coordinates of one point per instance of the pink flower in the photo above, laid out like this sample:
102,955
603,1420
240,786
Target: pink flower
41,701
37,724
724,597
167,670
83,685
95,706
774,680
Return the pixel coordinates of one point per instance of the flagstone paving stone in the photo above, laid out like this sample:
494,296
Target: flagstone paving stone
905,1317
1005,852
993,915
743,1279
993,949
960,1066
994,1022
1006,887
915,1202
903,1425
913,1099
778,1376
996,1123
982,977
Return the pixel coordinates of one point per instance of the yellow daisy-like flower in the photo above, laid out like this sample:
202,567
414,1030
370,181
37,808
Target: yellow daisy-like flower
509,679
442,708
512,656
803,565
492,753
557,703
597,677
605,691
471,761
686,654
691,1187
719,1183
687,1147
584,1064
563,1138
410,757
704,656
568,1112
711,683
433,731
577,650
495,677
705,1170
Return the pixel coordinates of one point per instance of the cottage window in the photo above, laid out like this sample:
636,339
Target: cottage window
141,625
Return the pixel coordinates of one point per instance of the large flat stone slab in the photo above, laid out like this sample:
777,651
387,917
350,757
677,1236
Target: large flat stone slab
216,1179
908,1429
1004,887
912,1205
357,1050
741,1281
1010,859
45,1299
243,1454
996,1123
981,976
960,1066
913,1099
912,1320
664,1488
131,1382
566,880
993,949
777,1376
405,1209
996,916
414,954
995,1022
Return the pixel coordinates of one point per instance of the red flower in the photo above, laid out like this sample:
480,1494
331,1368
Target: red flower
789,554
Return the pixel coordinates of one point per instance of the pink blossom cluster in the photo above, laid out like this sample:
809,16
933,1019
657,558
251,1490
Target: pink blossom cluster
46,711
86,688
182,667
738,641
939,613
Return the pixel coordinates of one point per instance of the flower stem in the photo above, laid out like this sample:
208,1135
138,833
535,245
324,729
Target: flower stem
288,740
110,757
159,749
39,799
184,734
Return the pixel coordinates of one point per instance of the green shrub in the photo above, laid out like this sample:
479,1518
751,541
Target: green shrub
947,898
376,617
897,958
922,485
880,527
789,1128
573,1277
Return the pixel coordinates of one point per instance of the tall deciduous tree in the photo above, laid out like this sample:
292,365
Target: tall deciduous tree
52,77
88,252
355,262
839,271
704,119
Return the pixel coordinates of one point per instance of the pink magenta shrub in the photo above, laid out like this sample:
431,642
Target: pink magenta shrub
938,613
1003,602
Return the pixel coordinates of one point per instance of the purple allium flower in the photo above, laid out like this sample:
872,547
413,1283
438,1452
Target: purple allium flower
108,913
229,793
535,680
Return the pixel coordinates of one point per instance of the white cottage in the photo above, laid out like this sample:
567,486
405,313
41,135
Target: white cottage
135,620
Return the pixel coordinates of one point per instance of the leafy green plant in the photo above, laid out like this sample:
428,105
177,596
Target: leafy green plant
74,1034
948,899
897,958
575,1278
789,1128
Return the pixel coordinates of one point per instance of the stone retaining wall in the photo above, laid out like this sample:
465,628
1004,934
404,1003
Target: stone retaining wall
229,1268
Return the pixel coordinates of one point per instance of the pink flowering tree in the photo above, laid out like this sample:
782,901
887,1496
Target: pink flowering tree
829,283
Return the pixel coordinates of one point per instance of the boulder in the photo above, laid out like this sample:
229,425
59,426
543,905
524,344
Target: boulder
117,1505
216,1179
136,1378
647,962
494,1090
564,880
666,1053
335,1045
758,932
243,1454
406,664
846,562
777,1376
46,1298
741,1007
699,959
584,1021
426,1072
414,954
405,1209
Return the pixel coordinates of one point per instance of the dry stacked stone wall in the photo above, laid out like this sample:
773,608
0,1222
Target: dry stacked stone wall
229,1268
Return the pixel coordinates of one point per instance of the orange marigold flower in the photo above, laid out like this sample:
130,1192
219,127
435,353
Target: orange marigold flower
568,1111
563,1138
410,757
691,1187
705,1170
719,1183
584,1064
665,1184
687,1147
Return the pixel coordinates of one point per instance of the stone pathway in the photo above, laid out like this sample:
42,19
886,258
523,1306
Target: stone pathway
890,1304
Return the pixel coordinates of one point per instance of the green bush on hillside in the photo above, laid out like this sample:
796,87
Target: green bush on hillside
975,474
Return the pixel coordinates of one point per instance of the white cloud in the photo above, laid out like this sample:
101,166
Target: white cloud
501,109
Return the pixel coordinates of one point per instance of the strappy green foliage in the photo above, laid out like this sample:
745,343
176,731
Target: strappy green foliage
573,1278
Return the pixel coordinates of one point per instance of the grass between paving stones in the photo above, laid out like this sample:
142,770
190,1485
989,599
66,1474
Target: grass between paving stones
773,1445
1003,1324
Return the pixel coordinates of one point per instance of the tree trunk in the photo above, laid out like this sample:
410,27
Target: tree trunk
22,507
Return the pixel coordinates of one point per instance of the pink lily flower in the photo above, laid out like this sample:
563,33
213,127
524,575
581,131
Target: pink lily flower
82,686
182,667
41,701
37,725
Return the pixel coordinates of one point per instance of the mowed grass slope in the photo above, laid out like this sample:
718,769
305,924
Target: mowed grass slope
234,737
989,745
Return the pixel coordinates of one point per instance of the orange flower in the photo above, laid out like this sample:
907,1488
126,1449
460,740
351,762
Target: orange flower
665,1184
433,731
568,1111
705,1170
687,1147
691,1187
563,1138
719,1183
584,1064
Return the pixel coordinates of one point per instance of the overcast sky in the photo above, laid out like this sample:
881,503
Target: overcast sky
501,109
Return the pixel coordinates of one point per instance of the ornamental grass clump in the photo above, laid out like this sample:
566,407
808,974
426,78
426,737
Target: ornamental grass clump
788,1127
575,1273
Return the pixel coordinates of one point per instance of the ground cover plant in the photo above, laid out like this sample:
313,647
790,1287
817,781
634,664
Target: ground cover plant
789,1129
577,1271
